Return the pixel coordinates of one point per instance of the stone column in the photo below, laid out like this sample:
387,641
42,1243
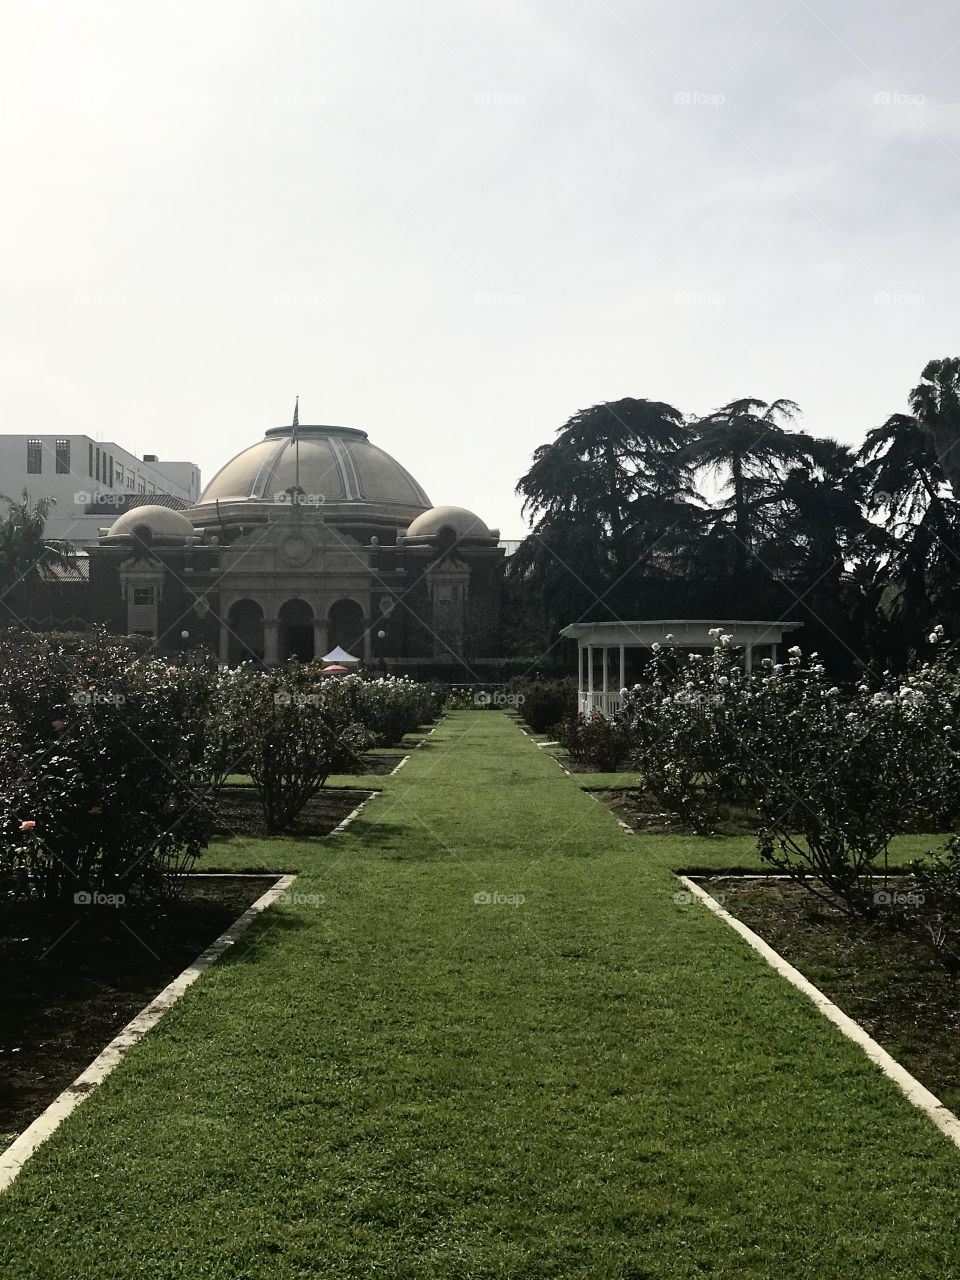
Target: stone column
271,641
321,633
224,643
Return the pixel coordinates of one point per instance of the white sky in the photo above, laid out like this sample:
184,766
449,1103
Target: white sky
455,222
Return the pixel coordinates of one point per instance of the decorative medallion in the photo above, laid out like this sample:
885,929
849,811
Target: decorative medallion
295,550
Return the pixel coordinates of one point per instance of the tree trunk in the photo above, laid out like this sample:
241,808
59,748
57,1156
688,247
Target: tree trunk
741,518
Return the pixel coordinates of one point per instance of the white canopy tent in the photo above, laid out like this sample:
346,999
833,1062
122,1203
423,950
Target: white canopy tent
339,655
604,638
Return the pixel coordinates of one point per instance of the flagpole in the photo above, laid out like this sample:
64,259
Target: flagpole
296,448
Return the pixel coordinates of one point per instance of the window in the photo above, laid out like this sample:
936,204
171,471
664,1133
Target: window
34,457
141,488
119,475
98,464
90,459
110,481
143,595
63,457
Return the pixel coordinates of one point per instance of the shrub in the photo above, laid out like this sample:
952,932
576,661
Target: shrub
104,784
850,772
933,903
832,774
388,707
546,703
692,725
294,736
594,740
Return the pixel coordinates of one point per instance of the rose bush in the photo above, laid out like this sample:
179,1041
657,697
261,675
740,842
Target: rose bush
832,774
288,734
693,725
104,779
546,703
596,741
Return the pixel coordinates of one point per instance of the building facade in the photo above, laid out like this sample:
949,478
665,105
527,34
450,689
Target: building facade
310,538
89,480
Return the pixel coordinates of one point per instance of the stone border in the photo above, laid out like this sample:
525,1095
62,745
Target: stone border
354,813
909,1085
22,1148
398,767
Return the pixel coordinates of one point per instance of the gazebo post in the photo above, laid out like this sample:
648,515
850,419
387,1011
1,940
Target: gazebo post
606,663
748,657
590,675
623,666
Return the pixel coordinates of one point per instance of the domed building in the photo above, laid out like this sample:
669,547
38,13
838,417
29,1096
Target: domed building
310,538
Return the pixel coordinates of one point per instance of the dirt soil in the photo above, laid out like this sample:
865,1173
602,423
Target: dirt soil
880,976
70,978
239,812
641,813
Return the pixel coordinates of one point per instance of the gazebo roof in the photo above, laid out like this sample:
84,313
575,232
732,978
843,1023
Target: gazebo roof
686,632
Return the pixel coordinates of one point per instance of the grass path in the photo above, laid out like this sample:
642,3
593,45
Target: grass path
598,1084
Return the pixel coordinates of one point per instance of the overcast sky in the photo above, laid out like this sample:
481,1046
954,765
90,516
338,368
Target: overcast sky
453,224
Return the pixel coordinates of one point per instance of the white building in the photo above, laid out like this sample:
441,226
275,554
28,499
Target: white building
82,474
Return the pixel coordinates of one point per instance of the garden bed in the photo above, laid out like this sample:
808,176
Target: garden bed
579,766
881,977
642,813
71,979
239,812
380,765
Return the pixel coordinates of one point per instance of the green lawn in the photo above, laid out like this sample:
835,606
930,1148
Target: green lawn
596,1084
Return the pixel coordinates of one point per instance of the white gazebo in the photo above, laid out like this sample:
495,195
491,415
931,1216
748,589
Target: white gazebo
597,640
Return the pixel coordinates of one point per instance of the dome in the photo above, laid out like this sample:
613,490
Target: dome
461,522
163,523
336,464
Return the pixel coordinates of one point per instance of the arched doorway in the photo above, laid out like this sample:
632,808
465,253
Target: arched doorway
346,627
245,632
296,631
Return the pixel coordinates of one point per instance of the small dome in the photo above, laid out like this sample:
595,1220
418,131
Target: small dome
162,523
461,523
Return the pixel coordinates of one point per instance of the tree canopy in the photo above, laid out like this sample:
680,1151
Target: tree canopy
639,510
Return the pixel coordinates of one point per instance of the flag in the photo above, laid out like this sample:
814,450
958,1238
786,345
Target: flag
296,415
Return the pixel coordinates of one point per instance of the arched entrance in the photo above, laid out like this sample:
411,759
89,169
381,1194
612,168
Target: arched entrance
244,632
346,627
296,631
